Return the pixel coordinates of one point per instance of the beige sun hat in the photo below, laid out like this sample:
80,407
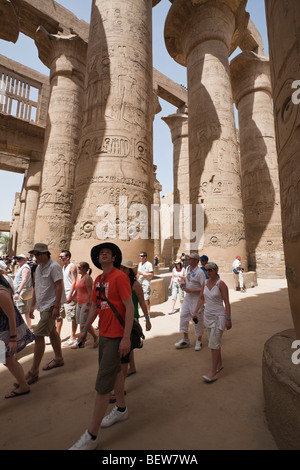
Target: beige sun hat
127,263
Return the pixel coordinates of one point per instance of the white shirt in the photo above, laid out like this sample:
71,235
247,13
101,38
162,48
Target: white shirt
145,268
236,264
45,288
194,280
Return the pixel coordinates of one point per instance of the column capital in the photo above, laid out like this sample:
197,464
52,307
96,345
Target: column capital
9,23
178,123
63,54
250,72
192,22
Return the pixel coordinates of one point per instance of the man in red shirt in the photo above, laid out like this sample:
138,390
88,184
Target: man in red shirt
114,340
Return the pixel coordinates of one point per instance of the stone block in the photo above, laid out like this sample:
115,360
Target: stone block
281,386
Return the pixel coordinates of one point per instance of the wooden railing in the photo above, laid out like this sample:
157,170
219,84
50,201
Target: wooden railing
19,96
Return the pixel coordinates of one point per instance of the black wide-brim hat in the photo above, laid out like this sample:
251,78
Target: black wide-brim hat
114,249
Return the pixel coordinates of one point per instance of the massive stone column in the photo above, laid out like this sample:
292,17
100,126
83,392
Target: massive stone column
178,124
32,185
200,36
250,75
283,21
65,56
114,173
281,352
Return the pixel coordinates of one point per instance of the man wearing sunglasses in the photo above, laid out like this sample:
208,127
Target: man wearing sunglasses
195,277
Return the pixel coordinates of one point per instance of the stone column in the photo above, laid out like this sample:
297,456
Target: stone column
21,219
283,21
114,173
32,185
250,75
66,58
200,36
178,124
156,201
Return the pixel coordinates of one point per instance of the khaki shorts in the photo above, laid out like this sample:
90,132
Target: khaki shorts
68,311
214,337
46,324
109,364
23,305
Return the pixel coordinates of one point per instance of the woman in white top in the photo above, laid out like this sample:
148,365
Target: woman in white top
217,316
177,279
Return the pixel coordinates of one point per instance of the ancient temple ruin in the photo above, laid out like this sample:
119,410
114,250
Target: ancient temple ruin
85,144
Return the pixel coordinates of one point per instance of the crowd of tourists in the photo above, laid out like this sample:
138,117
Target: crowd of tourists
66,291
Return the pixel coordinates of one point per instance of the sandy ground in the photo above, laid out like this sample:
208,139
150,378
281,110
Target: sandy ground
170,407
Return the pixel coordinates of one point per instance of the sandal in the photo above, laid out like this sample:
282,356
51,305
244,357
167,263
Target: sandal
57,363
30,379
14,394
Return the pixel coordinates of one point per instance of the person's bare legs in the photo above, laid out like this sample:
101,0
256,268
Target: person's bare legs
56,344
17,371
100,407
119,390
216,363
39,349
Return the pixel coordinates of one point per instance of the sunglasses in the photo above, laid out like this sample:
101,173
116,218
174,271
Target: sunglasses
208,270
37,253
142,256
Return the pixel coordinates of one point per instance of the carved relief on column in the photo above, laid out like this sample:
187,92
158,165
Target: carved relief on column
250,74
66,58
283,21
32,182
116,156
178,124
201,36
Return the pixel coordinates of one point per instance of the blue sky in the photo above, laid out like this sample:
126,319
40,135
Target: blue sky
24,51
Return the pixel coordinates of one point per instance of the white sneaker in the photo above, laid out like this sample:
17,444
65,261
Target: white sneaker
198,345
183,343
113,417
47,340
85,442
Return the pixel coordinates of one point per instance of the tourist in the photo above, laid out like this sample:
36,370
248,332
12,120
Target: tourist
145,273
23,287
114,340
194,280
184,260
238,274
48,295
7,277
68,309
83,292
130,269
203,261
177,280
15,335
214,294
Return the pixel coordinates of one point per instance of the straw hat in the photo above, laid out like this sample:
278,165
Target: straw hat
127,263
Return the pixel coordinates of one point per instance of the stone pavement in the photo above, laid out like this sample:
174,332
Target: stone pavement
170,407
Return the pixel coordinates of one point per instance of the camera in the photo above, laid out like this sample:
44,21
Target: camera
195,320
